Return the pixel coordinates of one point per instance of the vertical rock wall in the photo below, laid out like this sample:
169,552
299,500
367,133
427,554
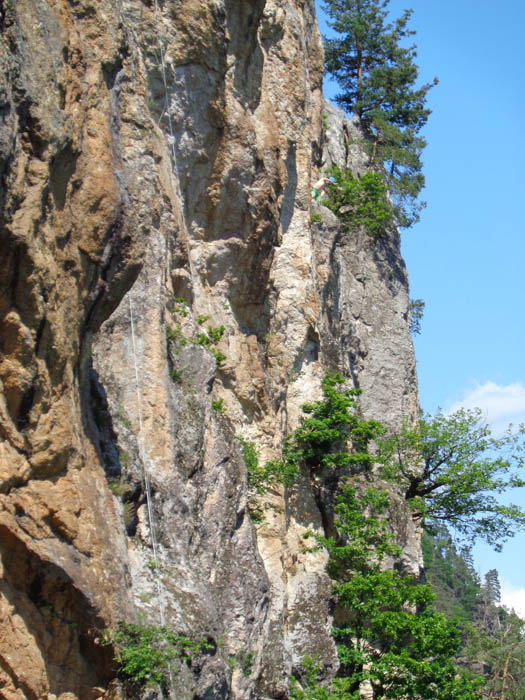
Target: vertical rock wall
156,162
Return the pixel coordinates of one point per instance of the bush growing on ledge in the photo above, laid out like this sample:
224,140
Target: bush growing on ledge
145,652
360,202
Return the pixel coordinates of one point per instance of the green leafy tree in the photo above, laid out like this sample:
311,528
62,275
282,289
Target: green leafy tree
451,467
378,77
492,587
501,650
391,638
331,436
492,637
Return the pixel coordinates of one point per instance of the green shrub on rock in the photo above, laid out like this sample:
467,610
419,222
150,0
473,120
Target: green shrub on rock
360,202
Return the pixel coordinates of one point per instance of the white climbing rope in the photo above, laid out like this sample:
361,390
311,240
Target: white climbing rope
145,474
147,489
171,130
165,83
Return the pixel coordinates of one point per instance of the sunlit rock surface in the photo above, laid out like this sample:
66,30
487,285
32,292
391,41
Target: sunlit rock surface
157,163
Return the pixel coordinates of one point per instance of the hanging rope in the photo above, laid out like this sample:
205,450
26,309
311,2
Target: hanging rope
145,475
147,490
165,83
171,130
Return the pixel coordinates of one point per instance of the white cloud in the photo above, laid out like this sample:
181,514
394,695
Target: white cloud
513,597
501,405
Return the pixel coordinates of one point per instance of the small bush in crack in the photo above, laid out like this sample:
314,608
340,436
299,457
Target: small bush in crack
242,660
176,375
220,357
212,337
219,406
259,478
245,660
176,337
117,487
209,339
144,653
180,307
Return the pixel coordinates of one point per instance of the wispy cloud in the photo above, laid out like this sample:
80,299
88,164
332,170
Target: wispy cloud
513,597
501,405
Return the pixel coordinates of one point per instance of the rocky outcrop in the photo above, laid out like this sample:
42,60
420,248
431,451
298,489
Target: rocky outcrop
156,163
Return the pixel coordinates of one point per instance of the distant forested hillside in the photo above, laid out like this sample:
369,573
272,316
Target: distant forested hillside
493,636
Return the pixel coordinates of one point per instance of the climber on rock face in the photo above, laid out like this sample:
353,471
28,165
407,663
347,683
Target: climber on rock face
319,186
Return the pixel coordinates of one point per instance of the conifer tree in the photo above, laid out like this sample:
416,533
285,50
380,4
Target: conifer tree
492,587
378,77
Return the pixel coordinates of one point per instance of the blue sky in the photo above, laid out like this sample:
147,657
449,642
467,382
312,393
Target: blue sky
465,258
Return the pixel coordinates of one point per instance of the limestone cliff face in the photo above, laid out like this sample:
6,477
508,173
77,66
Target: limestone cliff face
156,164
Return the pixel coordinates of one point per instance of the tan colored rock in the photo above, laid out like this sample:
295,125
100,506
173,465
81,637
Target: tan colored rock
132,184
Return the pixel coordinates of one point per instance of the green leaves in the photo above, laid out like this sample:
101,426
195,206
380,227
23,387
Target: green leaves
377,74
145,652
451,467
331,436
362,542
391,637
209,340
416,308
360,202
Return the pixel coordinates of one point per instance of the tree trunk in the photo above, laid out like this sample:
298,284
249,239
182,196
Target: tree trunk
504,679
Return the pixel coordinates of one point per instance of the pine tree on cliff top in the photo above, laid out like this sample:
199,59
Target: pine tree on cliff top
378,79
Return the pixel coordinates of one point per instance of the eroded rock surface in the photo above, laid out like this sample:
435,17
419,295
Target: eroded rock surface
157,162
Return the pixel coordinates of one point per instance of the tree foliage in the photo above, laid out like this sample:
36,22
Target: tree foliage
378,76
493,638
331,436
391,639
359,201
416,308
451,467
492,587
144,653
501,650
451,573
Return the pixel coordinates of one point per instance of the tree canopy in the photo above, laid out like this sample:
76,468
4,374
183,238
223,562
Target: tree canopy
452,468
391,639
332,434
378,77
